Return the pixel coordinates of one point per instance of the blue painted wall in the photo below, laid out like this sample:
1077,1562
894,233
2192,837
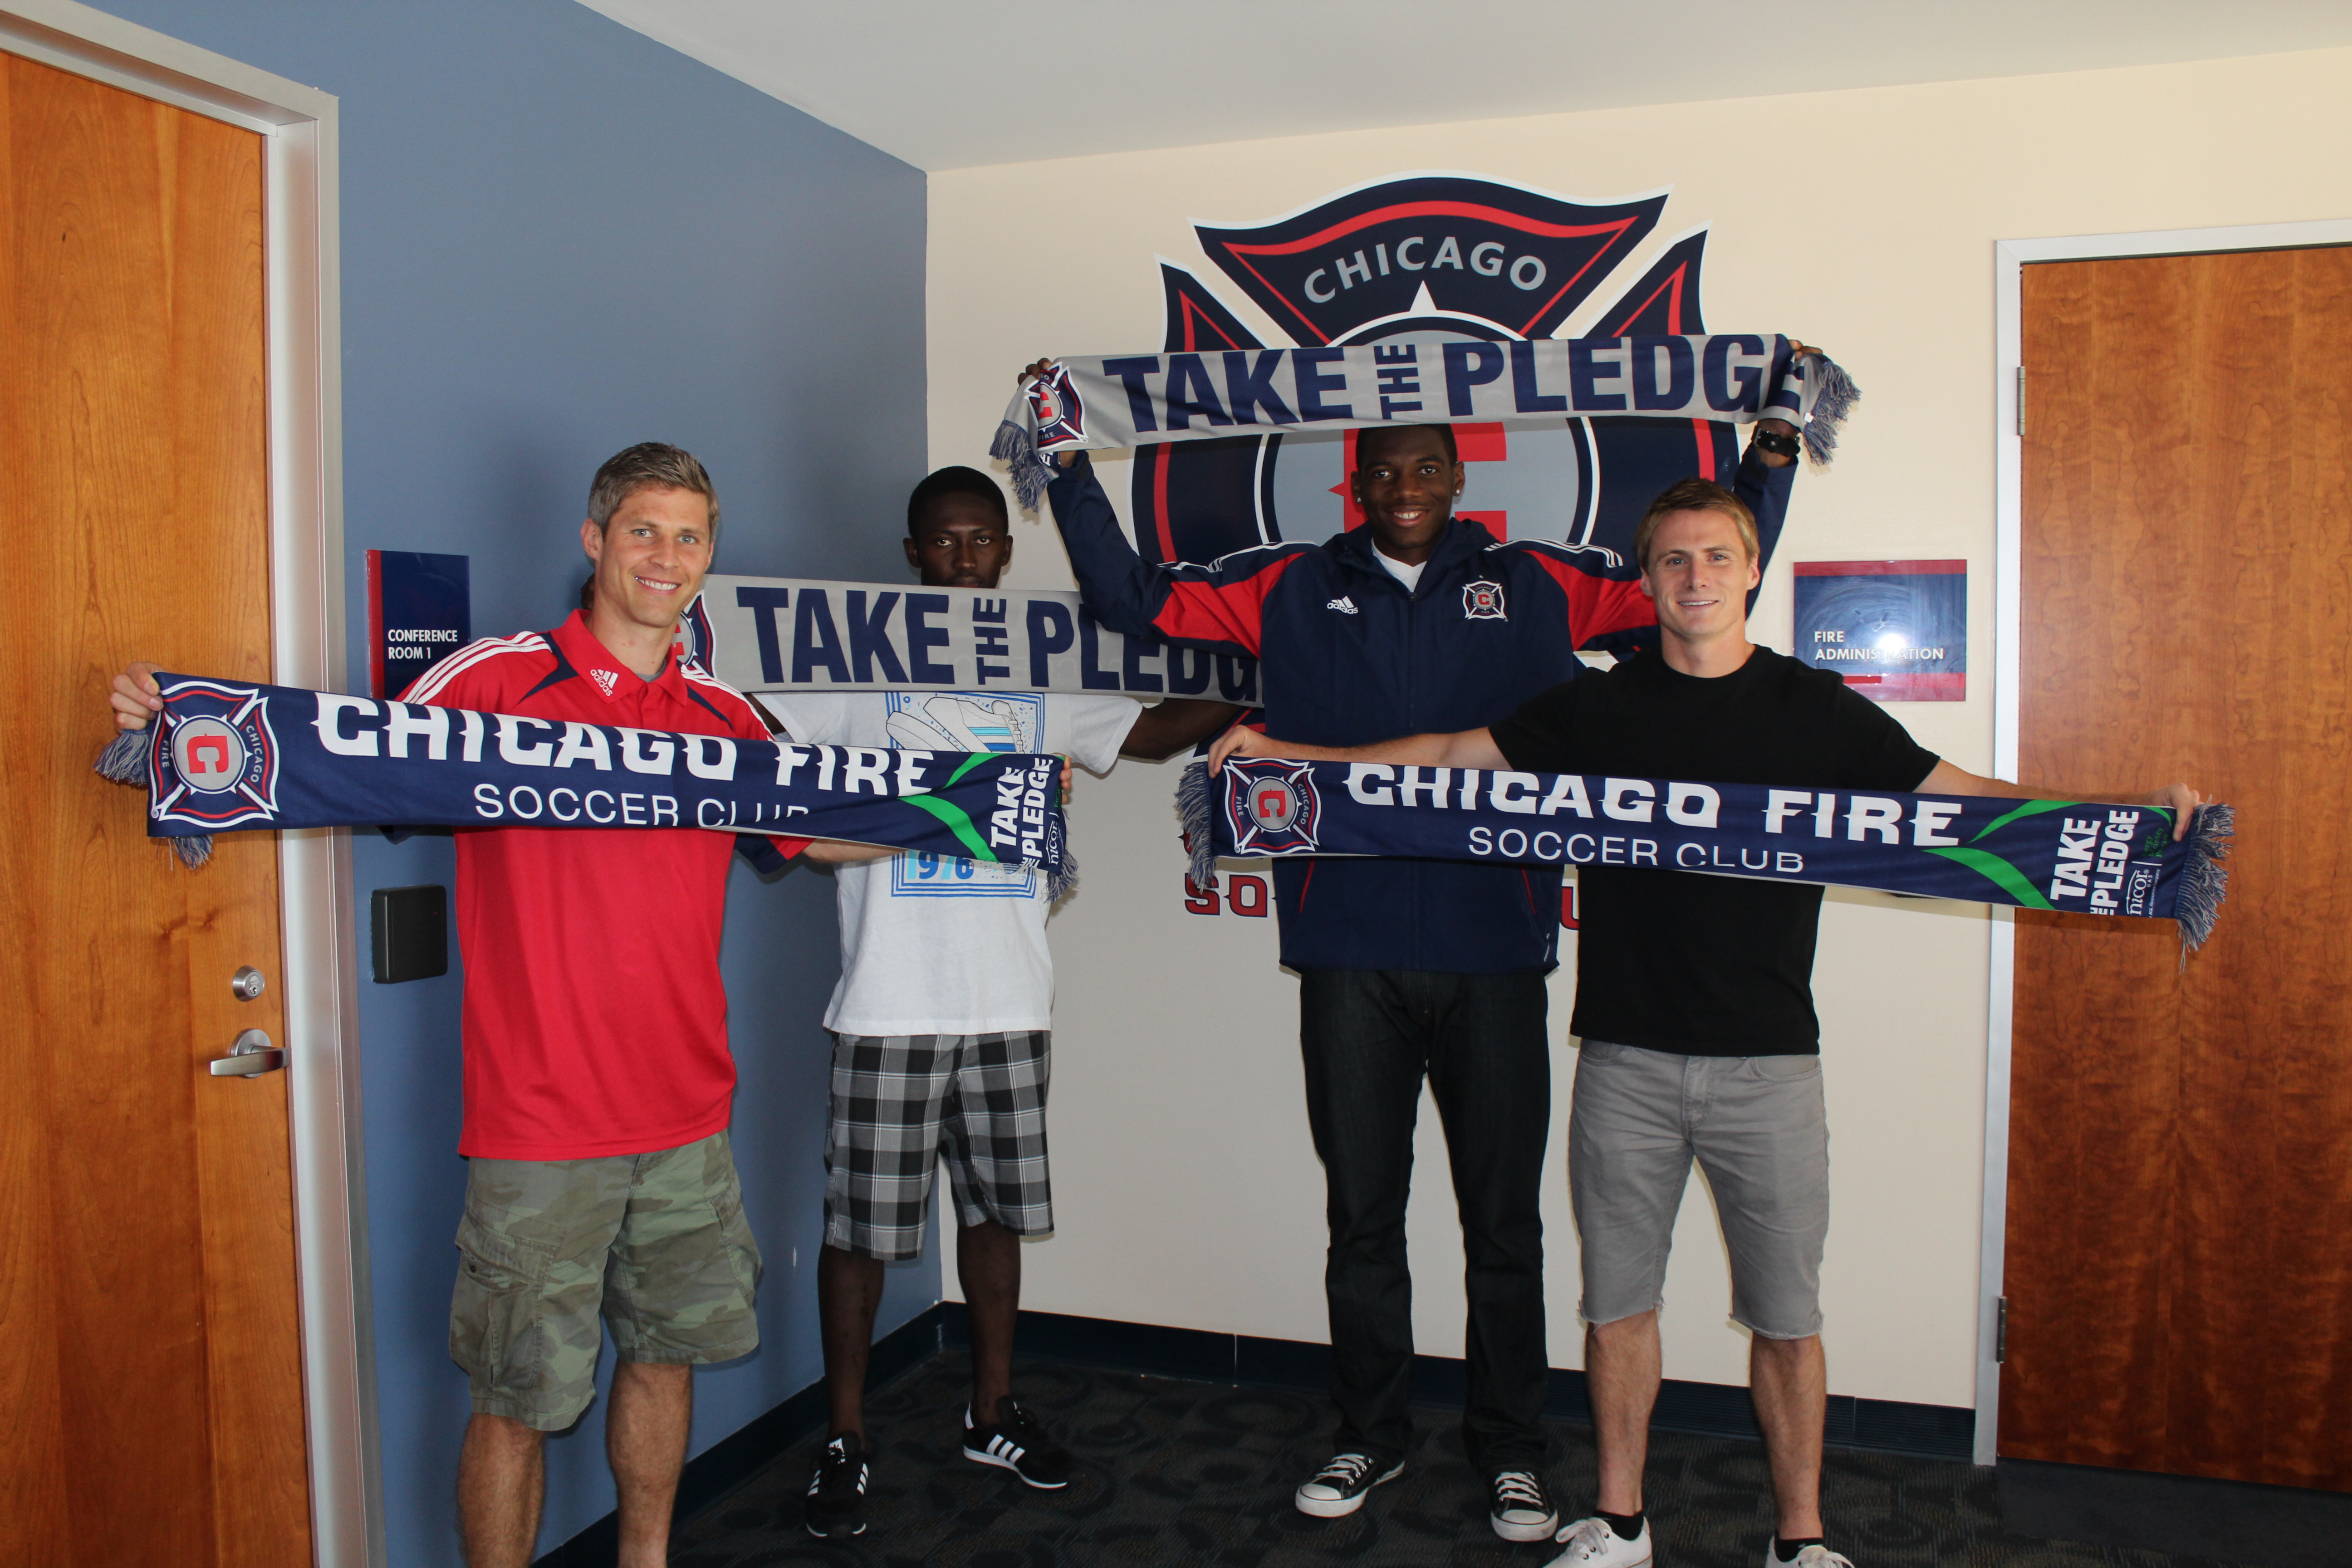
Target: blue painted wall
560,237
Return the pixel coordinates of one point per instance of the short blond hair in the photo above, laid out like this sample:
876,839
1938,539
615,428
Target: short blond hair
1693,495
649,464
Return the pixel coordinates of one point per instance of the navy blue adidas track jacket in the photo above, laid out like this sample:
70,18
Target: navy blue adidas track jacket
1347,656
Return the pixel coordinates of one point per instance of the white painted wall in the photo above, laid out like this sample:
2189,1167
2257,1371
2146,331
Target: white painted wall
1860,220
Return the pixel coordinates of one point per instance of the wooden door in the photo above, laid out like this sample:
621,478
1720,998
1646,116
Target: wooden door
151,1378
2179,1244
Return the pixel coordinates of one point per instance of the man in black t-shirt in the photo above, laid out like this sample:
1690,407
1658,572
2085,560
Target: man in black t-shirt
1694,1000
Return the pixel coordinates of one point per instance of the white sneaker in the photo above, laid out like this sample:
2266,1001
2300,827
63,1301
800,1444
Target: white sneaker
1591,1544
1815,1556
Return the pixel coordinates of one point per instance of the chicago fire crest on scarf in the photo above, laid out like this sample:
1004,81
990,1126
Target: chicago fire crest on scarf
226,755
2082,857
1096,401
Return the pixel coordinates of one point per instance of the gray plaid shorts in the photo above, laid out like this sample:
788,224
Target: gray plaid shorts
903,1102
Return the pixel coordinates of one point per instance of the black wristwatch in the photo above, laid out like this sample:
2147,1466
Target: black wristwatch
1780,446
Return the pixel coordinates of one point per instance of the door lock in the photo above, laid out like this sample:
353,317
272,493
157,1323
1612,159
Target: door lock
247,983
251,1055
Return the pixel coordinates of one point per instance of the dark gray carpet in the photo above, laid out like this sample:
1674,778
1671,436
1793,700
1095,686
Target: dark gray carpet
1178,1473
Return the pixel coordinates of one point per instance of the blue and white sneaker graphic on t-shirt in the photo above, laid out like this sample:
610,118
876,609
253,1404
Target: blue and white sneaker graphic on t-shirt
960,722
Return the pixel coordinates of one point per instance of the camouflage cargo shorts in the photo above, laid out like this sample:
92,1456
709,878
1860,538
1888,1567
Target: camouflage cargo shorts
654,1243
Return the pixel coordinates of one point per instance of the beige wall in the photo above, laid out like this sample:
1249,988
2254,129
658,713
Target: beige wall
1863,221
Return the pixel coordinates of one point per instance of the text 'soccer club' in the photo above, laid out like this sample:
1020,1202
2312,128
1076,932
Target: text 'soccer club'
2086,856
228,755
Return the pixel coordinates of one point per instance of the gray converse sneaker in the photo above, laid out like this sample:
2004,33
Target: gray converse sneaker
1339,1487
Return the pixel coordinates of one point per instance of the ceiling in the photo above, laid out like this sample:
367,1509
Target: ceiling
951,84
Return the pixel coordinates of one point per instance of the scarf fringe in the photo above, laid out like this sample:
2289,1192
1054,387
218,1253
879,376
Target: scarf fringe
1062,881
123,761
2205,880
1194,797
1031,472
1835,395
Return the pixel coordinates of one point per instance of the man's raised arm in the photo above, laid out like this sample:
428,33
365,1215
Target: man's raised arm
1215,606
1461,749
1762,482
1765,477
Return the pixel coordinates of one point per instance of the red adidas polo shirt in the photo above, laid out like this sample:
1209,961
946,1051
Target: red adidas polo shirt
595,1022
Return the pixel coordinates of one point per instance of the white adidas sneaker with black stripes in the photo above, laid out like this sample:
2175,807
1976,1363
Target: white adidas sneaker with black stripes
1016,1441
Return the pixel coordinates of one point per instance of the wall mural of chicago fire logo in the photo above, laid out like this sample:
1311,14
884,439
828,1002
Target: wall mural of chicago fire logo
1433,258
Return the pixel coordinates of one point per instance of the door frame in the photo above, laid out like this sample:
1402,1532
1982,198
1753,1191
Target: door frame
298,127
2011,256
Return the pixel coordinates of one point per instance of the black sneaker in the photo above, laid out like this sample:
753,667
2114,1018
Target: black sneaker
837,1494
1018,1443
1339,1487
1518,1507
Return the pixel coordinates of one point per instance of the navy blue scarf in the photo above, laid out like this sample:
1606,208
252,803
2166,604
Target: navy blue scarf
2086,858
230,755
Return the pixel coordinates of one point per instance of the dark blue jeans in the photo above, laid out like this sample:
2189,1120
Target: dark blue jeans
1369,1037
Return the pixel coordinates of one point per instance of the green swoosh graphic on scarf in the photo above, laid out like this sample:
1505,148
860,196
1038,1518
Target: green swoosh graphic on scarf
1987,864
958,823
2031,808
966,766
2036,807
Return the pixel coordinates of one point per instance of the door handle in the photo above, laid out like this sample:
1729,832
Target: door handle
252,1054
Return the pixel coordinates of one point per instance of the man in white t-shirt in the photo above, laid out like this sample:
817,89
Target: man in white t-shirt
943,1020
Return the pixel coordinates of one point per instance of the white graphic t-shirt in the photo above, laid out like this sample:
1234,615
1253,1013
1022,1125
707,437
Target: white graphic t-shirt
930,944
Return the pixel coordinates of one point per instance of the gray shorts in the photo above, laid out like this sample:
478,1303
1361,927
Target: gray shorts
1755,1125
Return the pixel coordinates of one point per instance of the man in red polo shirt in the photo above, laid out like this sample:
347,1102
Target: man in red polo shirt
598,1083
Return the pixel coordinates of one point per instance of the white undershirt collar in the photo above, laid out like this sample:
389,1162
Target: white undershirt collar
1408,575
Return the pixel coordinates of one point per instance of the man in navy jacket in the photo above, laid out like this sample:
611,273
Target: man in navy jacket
1409,969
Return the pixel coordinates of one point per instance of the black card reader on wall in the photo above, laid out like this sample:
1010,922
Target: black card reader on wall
411,927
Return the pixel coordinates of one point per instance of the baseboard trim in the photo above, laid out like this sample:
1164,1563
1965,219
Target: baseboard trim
736,1459
2186,1516
1709,1409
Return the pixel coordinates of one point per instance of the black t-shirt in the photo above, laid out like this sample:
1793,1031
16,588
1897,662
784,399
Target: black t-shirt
1676,961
